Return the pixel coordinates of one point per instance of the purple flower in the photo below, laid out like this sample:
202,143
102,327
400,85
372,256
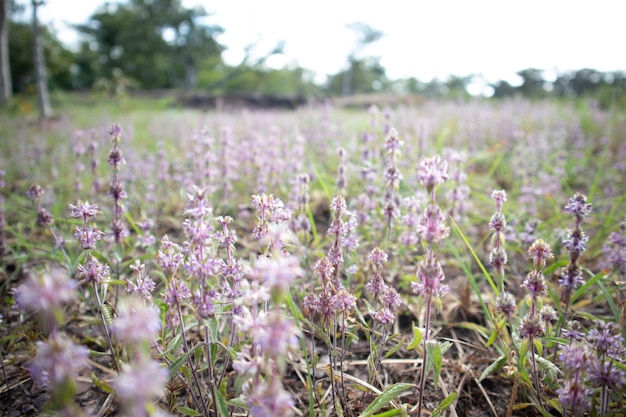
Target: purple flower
136,322
275,334
615,251
574,357
505,304
83,210
606,339
531,327
571,277
144,284
603,372
87,236
573,332
497,222
198,205
500,197
34,192
277,273
269,400
548,315
138,384
338,206
115,131
429,277
169,257
44,217
392,143
46,292
92,271
384,316
540,251
498,258
176,292
431,227
116,158
432,172
575,241
573,395
378,257
58,360
578,207
535,283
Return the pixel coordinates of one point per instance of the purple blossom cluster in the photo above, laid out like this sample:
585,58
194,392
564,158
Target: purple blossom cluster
592,364
386,299
116,188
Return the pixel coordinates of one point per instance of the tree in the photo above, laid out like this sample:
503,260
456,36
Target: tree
45,108
58,59
6,86
157,43
367,35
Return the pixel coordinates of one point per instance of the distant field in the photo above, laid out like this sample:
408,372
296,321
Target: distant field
269,297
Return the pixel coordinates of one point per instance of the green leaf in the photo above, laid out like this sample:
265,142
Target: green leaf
584,289
435,361
222,407
445,404
385,398
417,338
393,349
101,384
492,338
495,365
186,411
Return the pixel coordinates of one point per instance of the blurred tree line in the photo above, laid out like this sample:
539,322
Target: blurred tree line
160,44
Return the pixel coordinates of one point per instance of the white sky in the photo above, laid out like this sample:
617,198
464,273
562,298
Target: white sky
423,38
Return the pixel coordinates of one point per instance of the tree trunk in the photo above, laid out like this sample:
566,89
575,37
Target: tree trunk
6,88
45,109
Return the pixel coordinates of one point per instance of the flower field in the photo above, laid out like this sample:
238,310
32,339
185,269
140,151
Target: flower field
450,258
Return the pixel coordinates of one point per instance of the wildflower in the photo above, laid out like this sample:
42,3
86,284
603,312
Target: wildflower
531,327
392,143
606,339
429,277
572,333
269,400
505,303
92,271
277,273
338,206
498,258
573,395
136,322
44,217
169,257
138,384
500,197
548,315
46,292
115,131
87,236
83,210
176,292
431,227
58,360
275,334
432,172
571,277
614,251
540,251
378,257
144,285
34,192
535,283
578,207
